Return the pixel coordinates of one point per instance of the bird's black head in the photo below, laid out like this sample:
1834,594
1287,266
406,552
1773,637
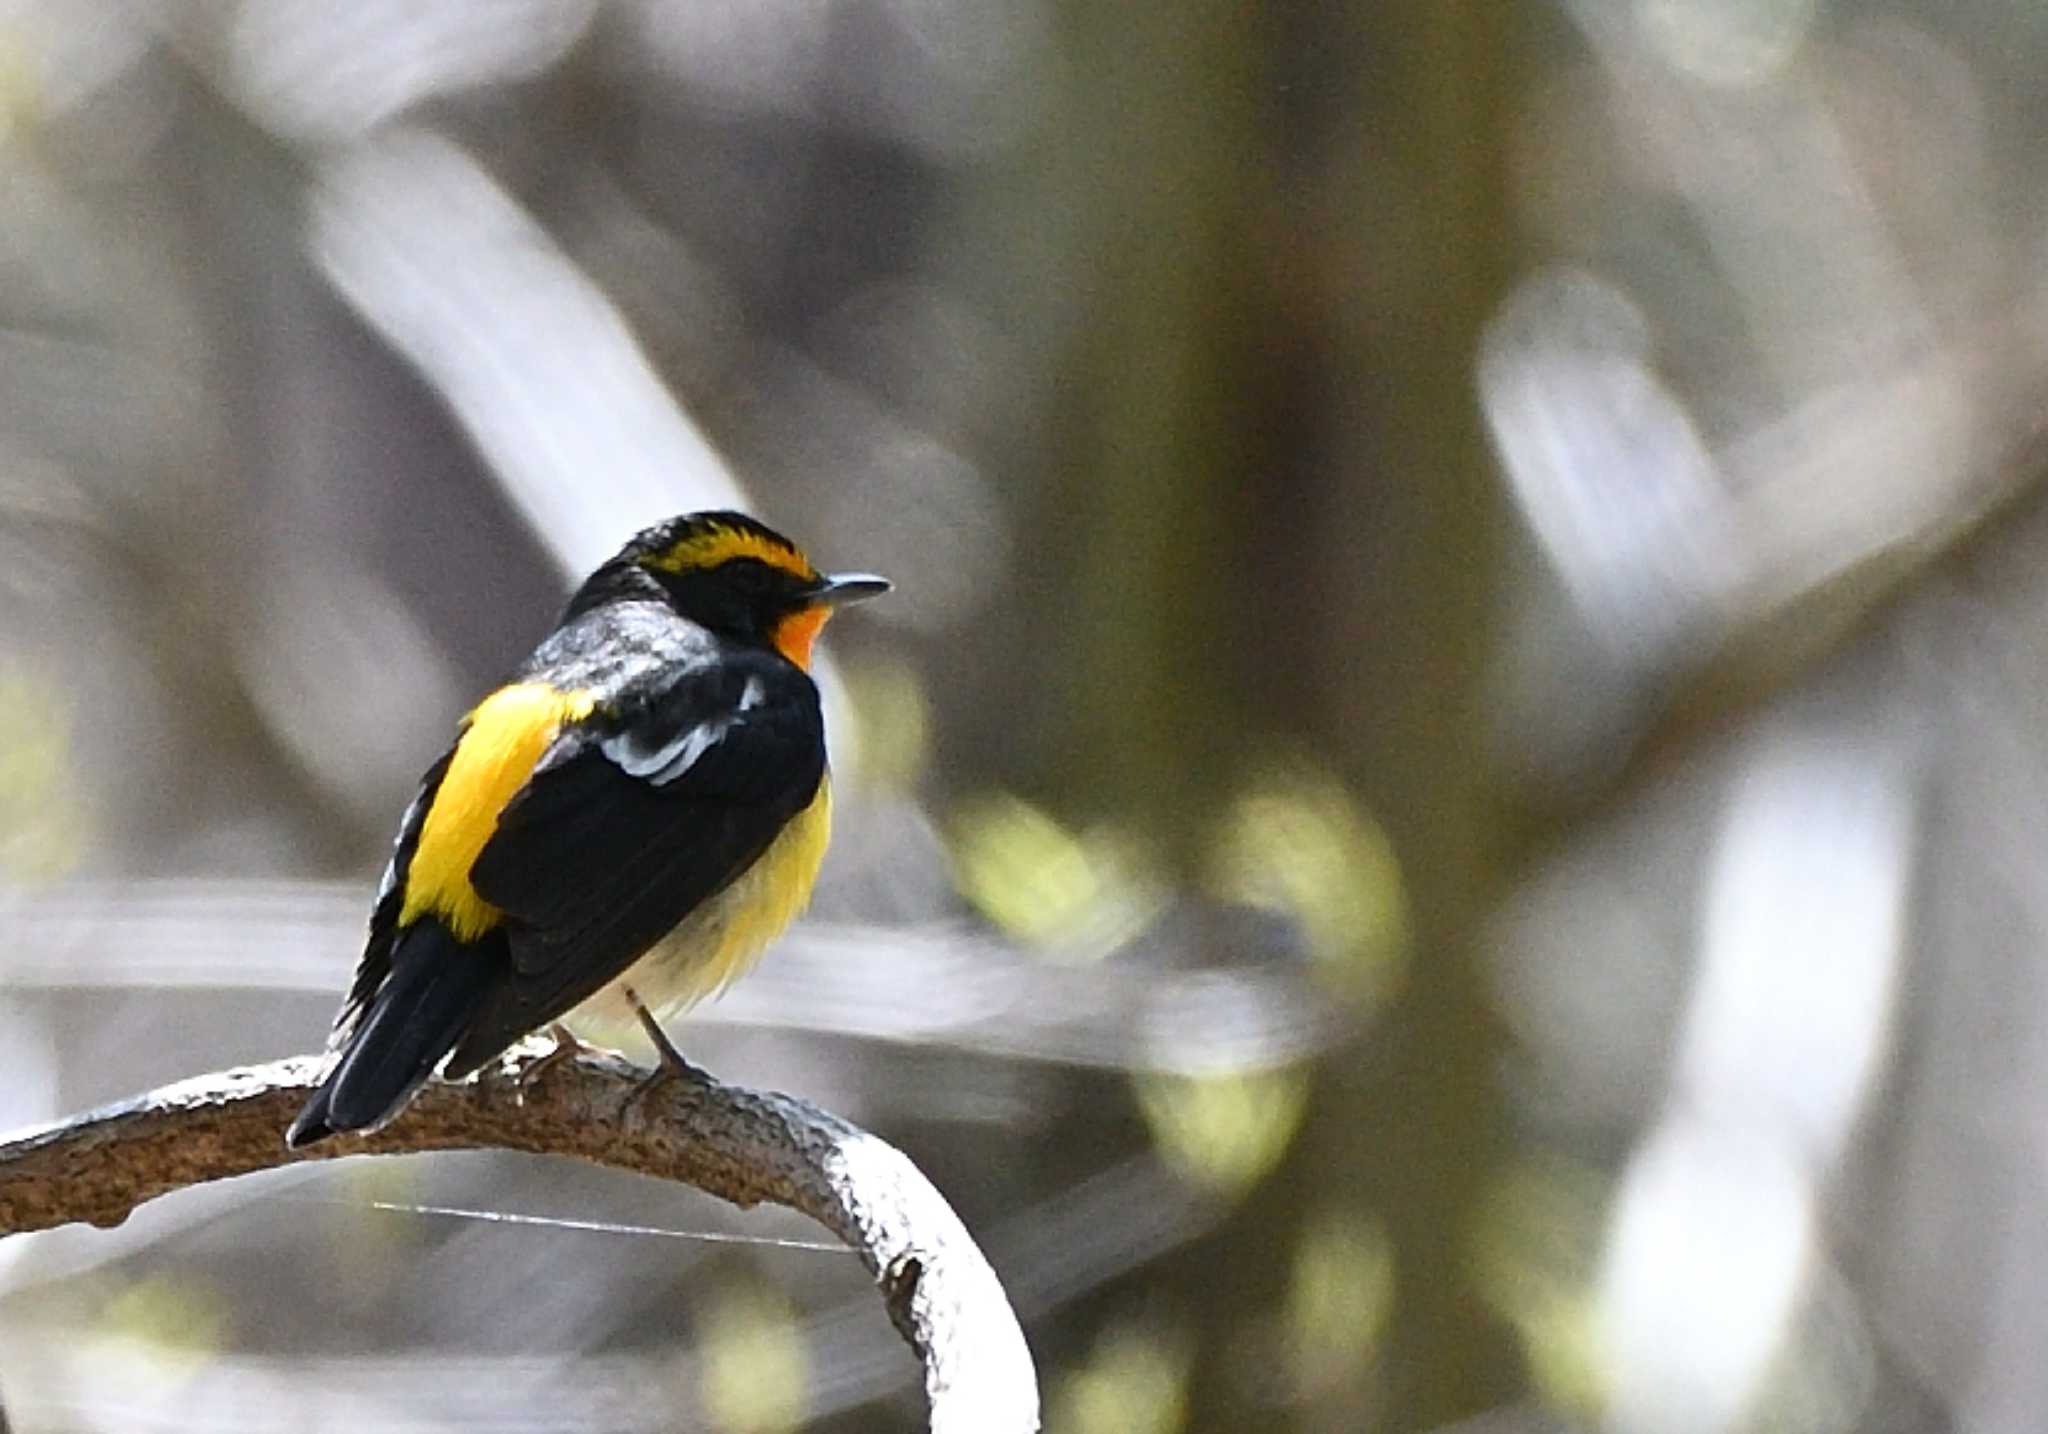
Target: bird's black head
736,576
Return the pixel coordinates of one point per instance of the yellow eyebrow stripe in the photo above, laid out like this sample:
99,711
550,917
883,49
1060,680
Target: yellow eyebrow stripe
712,546
501,741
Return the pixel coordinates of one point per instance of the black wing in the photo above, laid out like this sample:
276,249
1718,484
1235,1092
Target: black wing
375,966
632,821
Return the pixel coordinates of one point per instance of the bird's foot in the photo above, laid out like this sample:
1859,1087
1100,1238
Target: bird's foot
672,1064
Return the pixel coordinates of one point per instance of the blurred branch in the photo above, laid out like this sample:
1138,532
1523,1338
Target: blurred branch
741,1145
1784,644
931,983
575,424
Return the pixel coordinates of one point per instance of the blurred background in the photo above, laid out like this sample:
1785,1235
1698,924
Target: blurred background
1447,828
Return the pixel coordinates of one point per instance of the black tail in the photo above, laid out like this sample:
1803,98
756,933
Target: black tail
432,995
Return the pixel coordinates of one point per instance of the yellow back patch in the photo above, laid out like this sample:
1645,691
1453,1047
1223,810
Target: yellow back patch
710,546
501,741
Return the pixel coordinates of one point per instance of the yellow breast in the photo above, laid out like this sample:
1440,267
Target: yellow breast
773,892
720,941
501,741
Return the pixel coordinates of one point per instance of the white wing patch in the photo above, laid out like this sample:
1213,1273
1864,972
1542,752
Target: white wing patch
662,765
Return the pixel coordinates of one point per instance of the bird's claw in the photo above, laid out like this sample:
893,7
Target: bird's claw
567,1048
672,1064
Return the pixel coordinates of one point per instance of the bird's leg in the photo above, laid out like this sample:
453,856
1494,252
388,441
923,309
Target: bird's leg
671,1059
567,1047
673,1066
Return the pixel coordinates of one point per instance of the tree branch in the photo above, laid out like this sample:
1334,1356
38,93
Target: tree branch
741,1145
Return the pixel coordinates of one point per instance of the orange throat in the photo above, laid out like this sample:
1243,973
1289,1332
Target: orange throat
795,633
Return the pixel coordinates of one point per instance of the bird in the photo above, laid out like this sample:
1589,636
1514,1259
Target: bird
618,831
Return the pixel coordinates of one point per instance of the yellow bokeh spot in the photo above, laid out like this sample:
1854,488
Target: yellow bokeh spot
1561,1341
21,89
1339,1299
754,1361
165,1329
892,722
1076,897
42,826
1535,1255
1135,1381
1226,1131
1295,842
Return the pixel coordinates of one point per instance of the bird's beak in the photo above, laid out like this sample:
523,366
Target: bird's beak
842,589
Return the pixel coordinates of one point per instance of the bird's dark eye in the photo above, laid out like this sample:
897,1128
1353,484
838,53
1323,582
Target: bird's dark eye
749,575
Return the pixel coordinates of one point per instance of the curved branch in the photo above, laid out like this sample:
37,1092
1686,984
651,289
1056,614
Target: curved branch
741,1145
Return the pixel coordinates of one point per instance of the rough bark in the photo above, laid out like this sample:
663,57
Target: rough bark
741,1145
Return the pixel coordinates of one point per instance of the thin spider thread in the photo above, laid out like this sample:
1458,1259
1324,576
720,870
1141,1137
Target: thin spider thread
594,1227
